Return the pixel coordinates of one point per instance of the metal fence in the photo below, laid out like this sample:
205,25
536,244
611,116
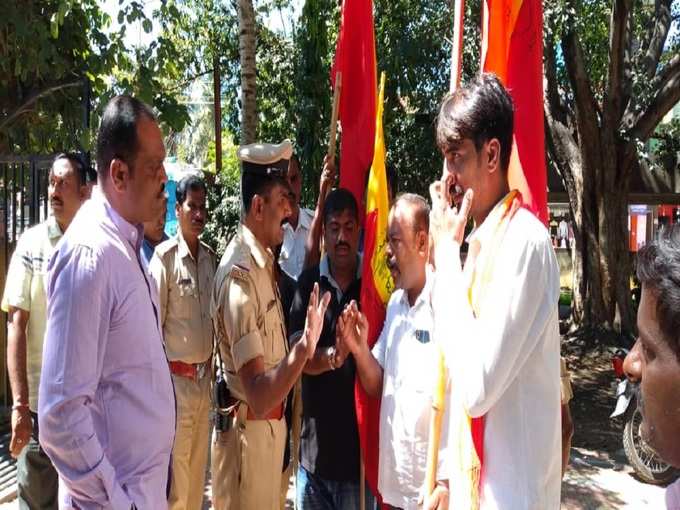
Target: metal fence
23,203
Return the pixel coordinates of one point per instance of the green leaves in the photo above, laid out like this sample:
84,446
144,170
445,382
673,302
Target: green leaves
68,41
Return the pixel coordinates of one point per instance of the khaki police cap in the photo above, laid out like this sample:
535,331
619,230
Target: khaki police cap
266,159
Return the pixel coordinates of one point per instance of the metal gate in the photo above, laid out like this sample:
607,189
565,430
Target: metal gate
23,203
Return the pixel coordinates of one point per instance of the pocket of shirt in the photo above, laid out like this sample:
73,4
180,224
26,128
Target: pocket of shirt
420,375
275,332
185,293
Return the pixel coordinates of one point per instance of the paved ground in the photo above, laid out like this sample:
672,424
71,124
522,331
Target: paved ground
594,482
597,482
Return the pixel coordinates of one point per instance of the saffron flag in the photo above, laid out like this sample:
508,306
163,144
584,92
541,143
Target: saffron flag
376,288
355,59
512,48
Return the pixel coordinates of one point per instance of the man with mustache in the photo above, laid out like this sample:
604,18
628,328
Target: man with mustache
403,366
106,408
497,317
253,355
328,476
25,302
183,268
654,361
296,229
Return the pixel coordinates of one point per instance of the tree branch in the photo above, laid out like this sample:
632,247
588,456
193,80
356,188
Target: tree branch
553,99
585,106
563,149
666,96
47,90
189,80
627,84
656,35
618,38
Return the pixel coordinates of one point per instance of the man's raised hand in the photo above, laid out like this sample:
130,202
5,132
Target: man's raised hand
352,329
327,176
314,322
448,222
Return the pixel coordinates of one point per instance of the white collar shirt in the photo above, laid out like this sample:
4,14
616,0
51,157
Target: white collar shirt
505,362
325,271
409,357
292,256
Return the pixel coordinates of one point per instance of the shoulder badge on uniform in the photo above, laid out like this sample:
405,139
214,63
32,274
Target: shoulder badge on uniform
239,272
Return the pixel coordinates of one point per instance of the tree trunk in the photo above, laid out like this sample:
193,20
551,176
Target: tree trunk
247,48
217,100
601,258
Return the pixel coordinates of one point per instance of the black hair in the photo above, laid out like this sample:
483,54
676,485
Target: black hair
256,184
421,210
480,110
340,200
77,162
658,268
117,137
189,183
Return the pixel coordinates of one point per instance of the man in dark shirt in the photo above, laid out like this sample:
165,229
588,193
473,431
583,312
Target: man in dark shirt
328,476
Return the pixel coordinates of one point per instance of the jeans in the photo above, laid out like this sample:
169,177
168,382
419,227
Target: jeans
316,493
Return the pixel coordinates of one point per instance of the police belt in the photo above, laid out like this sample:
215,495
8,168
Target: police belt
195,371
273,414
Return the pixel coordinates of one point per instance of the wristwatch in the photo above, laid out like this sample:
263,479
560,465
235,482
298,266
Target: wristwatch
330,352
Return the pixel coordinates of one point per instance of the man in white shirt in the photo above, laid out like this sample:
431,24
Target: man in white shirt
498,316
402,367
296,230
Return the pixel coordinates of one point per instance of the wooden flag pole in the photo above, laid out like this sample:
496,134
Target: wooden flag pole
334,115
438,404
457,47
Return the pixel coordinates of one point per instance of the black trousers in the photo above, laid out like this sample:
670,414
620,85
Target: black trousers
37,480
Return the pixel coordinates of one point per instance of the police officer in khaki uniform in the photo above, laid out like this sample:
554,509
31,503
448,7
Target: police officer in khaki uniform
247,453
183,268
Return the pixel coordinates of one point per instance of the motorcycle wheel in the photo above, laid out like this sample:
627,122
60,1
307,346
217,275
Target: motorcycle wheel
645,462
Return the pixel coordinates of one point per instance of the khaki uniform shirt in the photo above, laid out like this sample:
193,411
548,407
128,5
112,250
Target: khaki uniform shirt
246,308
26,288
184,285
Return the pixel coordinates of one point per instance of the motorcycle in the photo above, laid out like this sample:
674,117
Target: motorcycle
645,462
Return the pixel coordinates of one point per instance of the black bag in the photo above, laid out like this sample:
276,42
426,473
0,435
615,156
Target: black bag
221,393
222,398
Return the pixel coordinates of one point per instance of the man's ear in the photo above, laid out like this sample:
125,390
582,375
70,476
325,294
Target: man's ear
493,155
119,173
422,241
257,207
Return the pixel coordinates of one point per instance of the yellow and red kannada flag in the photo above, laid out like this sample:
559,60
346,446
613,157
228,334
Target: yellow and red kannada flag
376,288
512,48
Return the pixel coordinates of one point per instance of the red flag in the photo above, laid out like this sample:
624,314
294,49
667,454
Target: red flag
512,47
355,59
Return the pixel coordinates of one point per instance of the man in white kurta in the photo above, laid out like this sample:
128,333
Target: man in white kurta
503,346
